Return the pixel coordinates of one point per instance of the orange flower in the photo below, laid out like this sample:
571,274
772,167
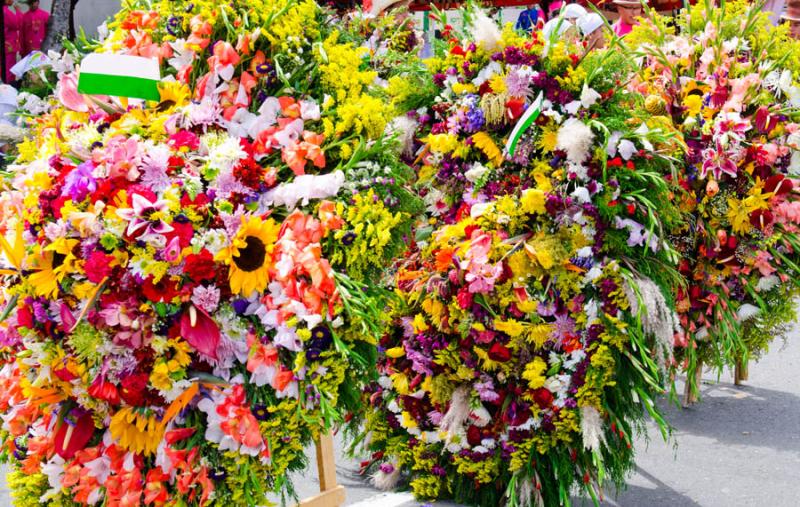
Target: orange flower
201,31
331,221
444,259
137,20
243,44
224,55
289,107
307,150
282,379
258,59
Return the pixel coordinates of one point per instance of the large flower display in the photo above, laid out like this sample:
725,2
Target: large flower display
191,286
728,81
533,321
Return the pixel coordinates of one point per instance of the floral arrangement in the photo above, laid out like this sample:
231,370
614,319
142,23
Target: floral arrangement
533,316
192,288
728,83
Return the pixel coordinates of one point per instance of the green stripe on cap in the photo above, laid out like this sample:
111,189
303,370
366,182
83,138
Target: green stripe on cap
118,86
524,123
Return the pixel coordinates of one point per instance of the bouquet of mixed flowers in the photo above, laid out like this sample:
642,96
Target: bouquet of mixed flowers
192,287
728,81
533,310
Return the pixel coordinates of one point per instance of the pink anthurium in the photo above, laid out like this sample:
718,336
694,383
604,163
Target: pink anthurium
200,331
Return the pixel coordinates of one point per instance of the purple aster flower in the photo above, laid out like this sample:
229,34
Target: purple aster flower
79,183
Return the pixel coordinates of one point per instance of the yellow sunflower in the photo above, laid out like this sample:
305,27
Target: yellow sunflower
51,265
135,431
249,257
173,95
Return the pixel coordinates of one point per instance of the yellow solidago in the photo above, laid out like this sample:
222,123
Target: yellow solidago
485,143
462,88
365,114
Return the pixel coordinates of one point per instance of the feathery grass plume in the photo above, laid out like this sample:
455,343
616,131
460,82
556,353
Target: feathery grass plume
455,417
657,318
591,428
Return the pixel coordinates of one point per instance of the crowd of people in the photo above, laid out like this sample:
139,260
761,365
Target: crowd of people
23,31
560,16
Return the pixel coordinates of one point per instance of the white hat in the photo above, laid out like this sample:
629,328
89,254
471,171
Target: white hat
590,23
573,11
629,3
550,27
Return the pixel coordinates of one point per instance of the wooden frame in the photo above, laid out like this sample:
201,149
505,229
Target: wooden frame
330,493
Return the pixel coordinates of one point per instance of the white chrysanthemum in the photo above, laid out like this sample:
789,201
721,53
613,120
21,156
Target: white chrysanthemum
767,283
575,138
303,189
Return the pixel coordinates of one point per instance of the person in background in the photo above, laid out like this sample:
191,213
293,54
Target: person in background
12,29
591,27
628,11
792,17
34,27
529,18
774,7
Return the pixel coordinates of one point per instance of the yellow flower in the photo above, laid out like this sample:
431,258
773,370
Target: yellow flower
533,201
549,139
442,143
534,373
135,431
693,104
510,327
461,88
249,257
173,94
51,266
738,216
485,143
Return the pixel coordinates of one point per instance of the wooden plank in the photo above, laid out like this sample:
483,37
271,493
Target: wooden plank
331,494
690,397
331,498
741,372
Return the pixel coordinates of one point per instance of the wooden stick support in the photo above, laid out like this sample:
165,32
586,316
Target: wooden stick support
741,372
690,397
330,493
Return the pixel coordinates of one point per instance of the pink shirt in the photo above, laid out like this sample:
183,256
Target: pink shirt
34,29
621,28
13,24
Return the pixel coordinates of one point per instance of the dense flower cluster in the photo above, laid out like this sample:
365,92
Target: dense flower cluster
735,100
532,326
188,283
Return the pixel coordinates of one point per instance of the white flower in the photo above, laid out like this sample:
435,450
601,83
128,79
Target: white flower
476,172
747,312
485,32
626,149
589,96
591,428
575,138
303,189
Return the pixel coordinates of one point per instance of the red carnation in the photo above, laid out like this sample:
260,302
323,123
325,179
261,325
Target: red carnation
183,231
98,266
161,292
200,266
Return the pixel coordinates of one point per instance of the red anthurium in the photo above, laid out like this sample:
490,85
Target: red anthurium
200,331
73,433
778,184
761,218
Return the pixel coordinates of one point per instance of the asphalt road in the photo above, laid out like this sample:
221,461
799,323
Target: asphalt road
740,447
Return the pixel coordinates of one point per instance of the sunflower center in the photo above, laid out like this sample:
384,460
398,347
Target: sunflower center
58,259
252,256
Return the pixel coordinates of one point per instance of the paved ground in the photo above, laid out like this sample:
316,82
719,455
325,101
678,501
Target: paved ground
740,447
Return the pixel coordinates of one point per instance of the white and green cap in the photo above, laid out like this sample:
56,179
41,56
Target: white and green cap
524,124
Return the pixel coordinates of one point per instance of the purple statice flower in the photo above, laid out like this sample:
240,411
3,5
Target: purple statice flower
473,120
79,183
419,362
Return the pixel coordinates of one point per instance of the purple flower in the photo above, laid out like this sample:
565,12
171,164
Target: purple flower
79,183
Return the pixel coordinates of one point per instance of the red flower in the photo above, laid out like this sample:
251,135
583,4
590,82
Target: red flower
183,231
778,184
499,352
200,266
464,298
134,389
98,266
543,397
25,317
162,292
103,390
73,433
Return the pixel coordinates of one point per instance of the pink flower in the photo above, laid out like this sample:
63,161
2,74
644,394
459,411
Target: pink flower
67,93
762,263
206,298
716,161
141,225
98,266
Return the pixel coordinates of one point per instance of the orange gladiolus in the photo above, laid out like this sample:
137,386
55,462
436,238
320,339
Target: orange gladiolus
224,55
